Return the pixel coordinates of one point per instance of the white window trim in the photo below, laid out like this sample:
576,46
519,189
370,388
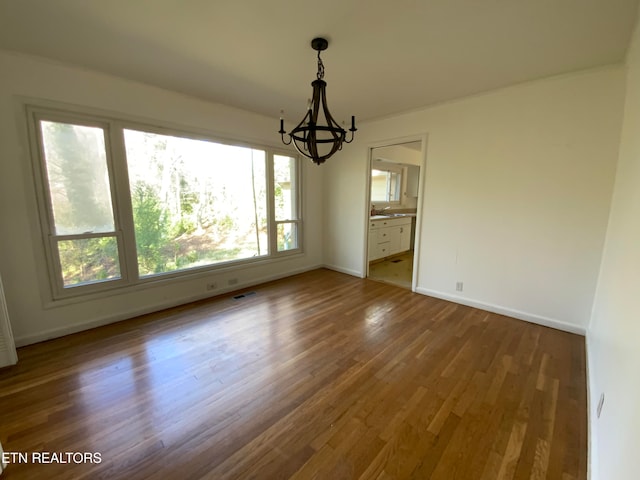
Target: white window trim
297,221
114,126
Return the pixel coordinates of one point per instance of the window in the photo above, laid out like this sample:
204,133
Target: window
123,204
194,202
386,185
286,202
82,229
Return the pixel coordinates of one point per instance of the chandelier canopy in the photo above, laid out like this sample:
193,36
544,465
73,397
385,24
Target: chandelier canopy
315,137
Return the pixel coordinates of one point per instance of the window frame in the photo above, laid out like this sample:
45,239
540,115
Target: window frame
124,232
390,169
296,180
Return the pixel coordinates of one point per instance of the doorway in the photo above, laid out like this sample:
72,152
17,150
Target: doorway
394,187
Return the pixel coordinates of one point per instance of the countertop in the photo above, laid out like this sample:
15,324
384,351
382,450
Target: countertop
394,215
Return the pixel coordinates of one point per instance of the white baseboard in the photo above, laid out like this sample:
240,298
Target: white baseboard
97,322
113,318
348,271
527,317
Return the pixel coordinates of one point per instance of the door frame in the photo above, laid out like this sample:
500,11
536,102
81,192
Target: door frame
417,250
8,354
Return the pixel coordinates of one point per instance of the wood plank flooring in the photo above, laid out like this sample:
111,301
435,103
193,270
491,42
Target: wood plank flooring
318,376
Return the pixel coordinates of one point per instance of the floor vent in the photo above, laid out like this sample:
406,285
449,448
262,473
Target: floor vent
243,295
396,261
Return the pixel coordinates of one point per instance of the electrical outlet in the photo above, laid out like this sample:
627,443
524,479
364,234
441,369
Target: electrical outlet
600,405
212,286
232,281
459,286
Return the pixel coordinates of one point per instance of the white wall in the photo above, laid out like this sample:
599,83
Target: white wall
518,187
399,154
614,334
30,77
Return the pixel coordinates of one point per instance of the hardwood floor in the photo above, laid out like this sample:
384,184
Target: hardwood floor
318,376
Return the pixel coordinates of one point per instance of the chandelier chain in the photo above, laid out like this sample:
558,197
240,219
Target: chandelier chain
320,67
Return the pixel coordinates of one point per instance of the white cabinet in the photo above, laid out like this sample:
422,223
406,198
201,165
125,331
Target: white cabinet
405,237
388,236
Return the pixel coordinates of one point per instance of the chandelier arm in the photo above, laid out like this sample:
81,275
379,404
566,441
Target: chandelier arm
312,144
284,141
318,89
352,135
337,132
301,150
331,123
353,130
301,126
317,160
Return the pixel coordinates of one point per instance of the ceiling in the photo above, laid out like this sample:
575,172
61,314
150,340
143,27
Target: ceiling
383,58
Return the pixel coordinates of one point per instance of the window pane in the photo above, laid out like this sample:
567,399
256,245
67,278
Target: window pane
394,186
379,186
287,236
195,202
76,163
88,260
284,187
385,186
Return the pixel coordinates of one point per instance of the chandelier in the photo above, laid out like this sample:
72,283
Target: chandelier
314,138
